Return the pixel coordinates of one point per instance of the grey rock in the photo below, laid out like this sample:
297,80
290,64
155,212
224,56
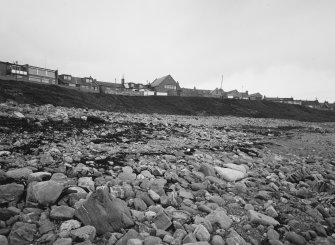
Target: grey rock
162,220
295,238
131,234
61,212
22,233
20,173
219,218
45,192
10,192
202,233
3,240
111,216
151,240
86,232
263,219
63,241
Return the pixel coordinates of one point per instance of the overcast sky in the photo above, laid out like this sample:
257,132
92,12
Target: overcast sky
278,48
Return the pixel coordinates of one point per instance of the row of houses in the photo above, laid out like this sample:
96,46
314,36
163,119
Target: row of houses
164,86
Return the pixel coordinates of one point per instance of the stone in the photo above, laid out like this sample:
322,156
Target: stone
233,166
10,193
63,241
152,240
86,182
127,177
271,212
139,204
207,169
20,173
87,232
295,238
219,219
217,240
197,243
3,240
131,234
61,212
234,238
262,219
190,238
22,233
134,241
67,226
162,221
230,174
111,216
154,196
202,233
272,235
39,176
45,192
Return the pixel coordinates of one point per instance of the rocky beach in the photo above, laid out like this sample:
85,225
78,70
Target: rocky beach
84,176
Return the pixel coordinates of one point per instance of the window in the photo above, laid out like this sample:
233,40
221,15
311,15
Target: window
67,78
35,79
170,87
32,71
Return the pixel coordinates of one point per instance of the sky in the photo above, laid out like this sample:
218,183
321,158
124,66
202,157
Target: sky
282,48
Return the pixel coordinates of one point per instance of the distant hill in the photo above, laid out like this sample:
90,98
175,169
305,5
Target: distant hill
32,93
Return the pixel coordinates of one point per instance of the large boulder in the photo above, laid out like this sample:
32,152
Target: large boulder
44,193
105,213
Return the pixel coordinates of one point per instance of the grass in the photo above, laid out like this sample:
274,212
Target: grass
32,93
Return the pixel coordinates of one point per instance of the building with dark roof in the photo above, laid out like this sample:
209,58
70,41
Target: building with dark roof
166,84
87,84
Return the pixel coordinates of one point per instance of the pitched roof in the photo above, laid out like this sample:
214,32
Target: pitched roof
158,81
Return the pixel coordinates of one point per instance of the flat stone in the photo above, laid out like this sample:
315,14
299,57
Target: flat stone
45,192
262,219
197,243
139,204
39,176
127,177
217,240
10,192
230,174
86,232
62,212
162,221
153,195
111,216
20,173
63,241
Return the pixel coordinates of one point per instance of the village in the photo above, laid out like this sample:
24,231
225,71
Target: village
163,86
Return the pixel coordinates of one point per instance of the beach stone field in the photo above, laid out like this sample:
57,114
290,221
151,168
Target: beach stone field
81,176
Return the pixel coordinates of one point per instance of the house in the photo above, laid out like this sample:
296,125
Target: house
42,75
13,70
279,100
164,85
87,84
194,92
234,94
218,93
28,73
255,96
311,104
110,88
